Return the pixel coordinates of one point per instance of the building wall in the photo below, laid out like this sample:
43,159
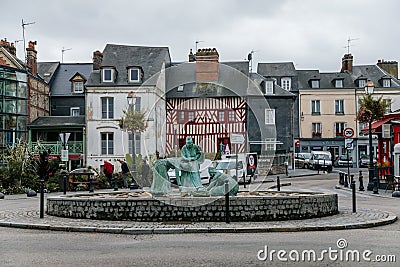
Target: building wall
39,98
61,106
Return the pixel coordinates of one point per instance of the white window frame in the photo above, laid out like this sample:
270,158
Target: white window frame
314,83
317,127
339,106
269,87
270,144
180,88
221,116
269,116
361,83
103,75
78,86
130,74
108,146
388,101
343,126
286,83
315,109
231,115
109,113
73,110
338,83
191,115
386,83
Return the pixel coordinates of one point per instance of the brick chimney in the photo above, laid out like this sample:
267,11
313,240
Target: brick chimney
31,57
8,46
391,67
97,60
347,63
207,69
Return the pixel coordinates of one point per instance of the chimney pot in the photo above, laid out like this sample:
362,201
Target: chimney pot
97,60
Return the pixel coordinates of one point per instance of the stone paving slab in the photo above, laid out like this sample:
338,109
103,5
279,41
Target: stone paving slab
28,218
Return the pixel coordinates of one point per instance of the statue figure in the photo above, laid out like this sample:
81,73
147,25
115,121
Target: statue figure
217,185
192,157
161,183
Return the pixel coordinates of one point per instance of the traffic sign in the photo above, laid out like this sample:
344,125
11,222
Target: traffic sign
348,133
237,138
348,143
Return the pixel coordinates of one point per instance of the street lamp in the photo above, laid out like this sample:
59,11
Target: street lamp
175,124
132,102
369,90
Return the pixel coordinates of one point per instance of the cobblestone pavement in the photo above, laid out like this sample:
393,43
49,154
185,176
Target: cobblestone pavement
23,212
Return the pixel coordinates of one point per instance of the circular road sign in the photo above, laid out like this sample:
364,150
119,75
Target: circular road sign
348,133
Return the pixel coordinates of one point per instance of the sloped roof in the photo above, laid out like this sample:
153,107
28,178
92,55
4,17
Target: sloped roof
46,70
277,69
58,122
278,91
61,84
150,59
326,80
373,73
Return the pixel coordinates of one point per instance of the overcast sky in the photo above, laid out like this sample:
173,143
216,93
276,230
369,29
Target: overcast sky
311,33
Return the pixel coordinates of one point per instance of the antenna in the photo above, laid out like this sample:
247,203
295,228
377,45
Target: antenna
23,33
197,43
62,53
348,44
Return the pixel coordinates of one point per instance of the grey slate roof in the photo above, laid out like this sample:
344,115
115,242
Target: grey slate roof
279,69
61,84
46,70
278,91
150,59
57,122
327,80
373,73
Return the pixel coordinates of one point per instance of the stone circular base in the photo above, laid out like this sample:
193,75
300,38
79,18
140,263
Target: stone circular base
254,206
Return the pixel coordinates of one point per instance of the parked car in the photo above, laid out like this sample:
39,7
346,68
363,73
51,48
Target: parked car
364,161
302,160
321,160
343,161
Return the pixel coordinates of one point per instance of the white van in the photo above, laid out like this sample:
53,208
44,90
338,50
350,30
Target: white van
228,163
321,160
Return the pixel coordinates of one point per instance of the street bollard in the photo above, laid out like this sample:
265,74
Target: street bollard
278,183
360,179
352,178
41,198
227,212
375,189
353,190
91,187
341,178
116,182
346,181
64,174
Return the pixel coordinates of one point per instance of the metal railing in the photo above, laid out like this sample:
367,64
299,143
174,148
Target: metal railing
54,148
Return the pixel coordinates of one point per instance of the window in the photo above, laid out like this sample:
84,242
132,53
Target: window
108,75
314,83
77,87
386,82
180,88
269,116
269,87
316,129
221,116
361,83
107,108
181,116
75,111
191,116
315,107
107,143
388,102
286,83
137,143
338,83
134,75
270,144
339,127
231,115
339,106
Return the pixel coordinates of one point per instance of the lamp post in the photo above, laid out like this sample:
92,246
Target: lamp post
132,102
175,124
369,90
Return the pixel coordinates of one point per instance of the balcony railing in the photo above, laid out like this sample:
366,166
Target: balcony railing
74,147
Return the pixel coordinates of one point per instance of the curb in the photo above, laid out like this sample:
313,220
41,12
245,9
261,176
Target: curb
363,192
390,218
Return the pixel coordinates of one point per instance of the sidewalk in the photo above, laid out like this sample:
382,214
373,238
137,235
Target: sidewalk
22,212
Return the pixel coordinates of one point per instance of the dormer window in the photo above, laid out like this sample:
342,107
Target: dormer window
361,83
386,82
269,87
77,87
338,83
134,74
286,83
314,83
108,74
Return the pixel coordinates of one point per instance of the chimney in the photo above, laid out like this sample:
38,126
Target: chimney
31,57
391,67
8,46
347,63
97,60
207,68
191,56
